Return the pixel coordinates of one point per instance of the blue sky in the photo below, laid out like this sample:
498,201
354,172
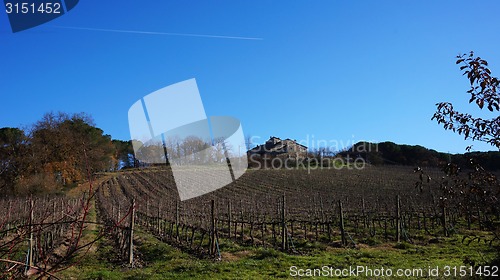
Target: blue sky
339,71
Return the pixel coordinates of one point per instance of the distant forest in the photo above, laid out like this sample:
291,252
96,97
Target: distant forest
58,150
389,153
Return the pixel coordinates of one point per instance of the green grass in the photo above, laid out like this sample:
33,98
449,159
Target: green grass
161,261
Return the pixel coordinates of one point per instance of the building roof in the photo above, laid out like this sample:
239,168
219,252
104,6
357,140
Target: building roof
275,147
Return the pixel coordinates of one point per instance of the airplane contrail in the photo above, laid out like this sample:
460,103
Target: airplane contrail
159,33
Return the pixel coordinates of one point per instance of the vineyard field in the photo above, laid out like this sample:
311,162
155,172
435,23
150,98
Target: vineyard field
293,213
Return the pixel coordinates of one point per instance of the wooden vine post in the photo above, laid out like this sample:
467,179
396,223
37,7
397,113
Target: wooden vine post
444,220
341,224
398,219
212,228
177,220
31,241
229,211
365,218
284,240
158,224
131,236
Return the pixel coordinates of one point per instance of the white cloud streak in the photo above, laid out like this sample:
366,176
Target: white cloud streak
160,33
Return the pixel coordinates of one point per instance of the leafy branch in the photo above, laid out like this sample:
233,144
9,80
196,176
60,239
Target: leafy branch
484,91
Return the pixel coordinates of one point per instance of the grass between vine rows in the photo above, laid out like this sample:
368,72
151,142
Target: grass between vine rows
158,260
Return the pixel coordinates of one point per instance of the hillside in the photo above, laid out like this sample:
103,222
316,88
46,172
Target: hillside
389,153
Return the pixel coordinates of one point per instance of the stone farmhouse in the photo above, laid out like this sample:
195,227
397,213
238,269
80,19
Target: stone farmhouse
275,147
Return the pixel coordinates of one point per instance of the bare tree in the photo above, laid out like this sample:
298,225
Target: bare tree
249,142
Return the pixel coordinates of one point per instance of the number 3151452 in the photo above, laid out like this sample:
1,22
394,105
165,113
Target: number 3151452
32,8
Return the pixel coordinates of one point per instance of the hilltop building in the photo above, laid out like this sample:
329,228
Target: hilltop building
275,147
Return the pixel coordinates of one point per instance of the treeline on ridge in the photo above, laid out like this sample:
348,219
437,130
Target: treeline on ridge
60,150
395,154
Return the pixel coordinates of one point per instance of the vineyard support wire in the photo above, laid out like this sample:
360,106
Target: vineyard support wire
352,240
27,262
405,233
291,242
37,268
217,244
